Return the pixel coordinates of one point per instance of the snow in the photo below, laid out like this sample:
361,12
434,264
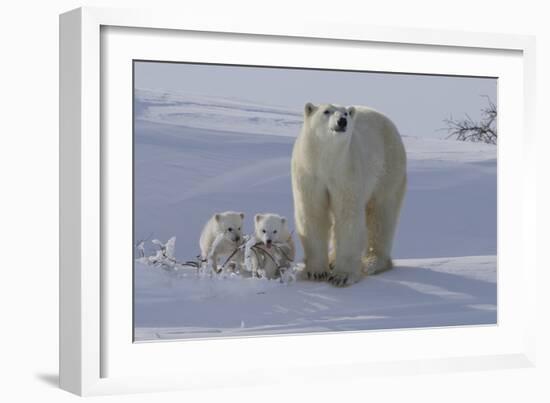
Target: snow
196,155
416,293
217,113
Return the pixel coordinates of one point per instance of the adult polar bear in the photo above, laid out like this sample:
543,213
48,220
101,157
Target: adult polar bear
348,182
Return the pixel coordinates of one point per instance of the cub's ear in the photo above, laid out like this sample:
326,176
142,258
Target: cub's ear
351,111
258,217
217,217
283,220
309,109
242,216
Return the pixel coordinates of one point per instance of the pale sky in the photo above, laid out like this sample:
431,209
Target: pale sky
418,104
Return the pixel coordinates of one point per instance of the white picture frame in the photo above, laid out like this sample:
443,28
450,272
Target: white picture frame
96,356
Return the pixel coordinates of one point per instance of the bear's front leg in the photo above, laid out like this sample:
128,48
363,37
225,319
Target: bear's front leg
315,257
349,241
213,260
312,225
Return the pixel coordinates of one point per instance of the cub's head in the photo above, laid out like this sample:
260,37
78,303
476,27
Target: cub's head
329,119
270,228
230,224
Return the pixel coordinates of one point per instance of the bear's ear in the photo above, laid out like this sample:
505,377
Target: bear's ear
351,111
283,220
258,217
242,216
217,217
309,109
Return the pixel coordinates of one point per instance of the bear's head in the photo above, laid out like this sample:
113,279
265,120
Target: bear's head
329,119
230,225
270,228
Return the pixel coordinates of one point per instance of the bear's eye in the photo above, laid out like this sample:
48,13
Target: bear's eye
239,228
275,231
230,229
327,112
345,114
263,231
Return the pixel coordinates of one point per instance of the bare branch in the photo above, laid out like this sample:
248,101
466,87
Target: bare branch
466,129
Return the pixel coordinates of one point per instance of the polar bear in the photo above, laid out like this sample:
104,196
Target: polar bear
272,231
348,181
221,235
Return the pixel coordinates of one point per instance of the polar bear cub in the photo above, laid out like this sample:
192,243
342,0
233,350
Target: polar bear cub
348,183
221,235
271,230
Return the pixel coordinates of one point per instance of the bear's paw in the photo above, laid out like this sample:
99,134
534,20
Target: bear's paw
315,275
343,279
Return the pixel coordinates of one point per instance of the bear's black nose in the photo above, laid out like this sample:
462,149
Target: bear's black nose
342,122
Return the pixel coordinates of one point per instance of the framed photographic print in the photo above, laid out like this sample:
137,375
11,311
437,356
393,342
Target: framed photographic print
233,200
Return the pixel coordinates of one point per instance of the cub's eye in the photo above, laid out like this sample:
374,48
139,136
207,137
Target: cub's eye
263,231
230,229
327,112
275,231
239,228
345,114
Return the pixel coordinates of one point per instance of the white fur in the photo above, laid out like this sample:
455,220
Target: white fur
272,231
348,185
228,225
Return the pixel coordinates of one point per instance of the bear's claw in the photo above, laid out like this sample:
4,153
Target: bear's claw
338,280
320,276
317,276
342,279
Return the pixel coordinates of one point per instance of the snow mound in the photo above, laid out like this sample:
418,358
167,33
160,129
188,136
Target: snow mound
215,113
